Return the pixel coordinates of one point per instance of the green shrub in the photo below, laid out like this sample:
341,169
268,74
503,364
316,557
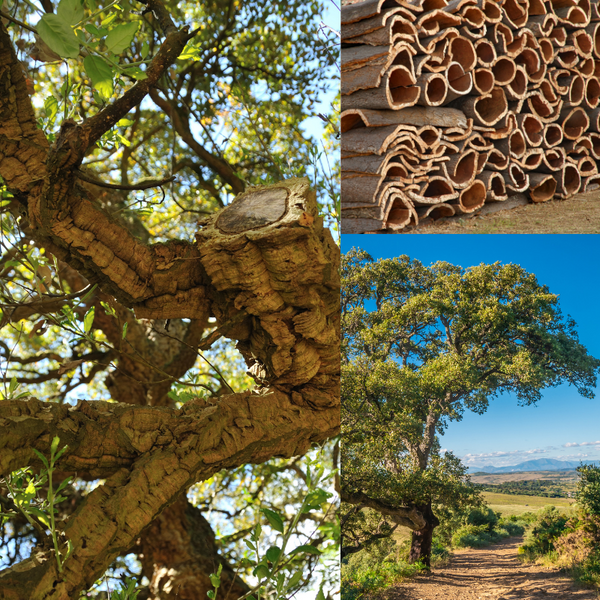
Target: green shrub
483,516
363,573
474,536
546,529
513,526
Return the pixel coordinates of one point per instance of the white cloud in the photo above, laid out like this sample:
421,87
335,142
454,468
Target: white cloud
479,458
576,445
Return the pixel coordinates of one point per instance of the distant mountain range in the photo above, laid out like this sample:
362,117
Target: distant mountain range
541,464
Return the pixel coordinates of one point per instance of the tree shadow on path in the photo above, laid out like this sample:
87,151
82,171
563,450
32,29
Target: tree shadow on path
492,573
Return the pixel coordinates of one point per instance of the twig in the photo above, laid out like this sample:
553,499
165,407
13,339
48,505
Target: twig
17,22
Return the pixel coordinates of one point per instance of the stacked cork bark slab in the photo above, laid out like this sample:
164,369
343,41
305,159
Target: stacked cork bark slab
448,105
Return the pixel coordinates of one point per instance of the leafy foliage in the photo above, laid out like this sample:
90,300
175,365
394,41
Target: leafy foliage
421,345
232,111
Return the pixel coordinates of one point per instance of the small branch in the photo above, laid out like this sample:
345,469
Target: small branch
17,22
140,185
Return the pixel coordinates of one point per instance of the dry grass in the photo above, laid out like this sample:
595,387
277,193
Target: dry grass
579,214
509,504
496,478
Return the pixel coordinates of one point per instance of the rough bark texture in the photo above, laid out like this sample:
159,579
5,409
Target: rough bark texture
269,278
420,546
178,551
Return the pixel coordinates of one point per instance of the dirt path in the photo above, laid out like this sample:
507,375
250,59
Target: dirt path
493,573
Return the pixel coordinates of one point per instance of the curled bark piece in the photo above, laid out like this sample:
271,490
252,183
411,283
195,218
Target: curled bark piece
361,191
436,211
532,129
515,13
473,17
471,198
515,178
401,214
365,26
572,16
587,167
591,184
491,11
359,56
416,115
574,122
582,42
459,83
542,25
541,187
592,92
435,191
353,13
504,70
554,160
568,181
495,186
546,50
433,88
462,51
531,160
385,96
486,54
432,22
497,161
514,145
461,168
485,110
483,81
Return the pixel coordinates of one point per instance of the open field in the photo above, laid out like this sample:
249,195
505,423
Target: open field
509,504
579,214
497,478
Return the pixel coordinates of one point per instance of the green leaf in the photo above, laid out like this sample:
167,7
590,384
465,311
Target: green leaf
58,35
100,72
109,19
274,519
216,581
92,4
261,571
54,445
250,544
88,320
51,107
41,457
211,594
124,123
273,553
306,549
294,579
70,11
280,582
124,331
61,452
42,516
190,51
13,385
136,73
119,38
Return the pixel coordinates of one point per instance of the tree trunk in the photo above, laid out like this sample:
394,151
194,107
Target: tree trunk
420,547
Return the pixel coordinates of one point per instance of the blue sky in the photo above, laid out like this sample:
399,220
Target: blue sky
563,425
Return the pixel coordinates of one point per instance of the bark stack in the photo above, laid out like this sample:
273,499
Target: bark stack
450,104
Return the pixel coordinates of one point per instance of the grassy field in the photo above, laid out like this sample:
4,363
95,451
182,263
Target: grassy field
579,214
509,504
496,478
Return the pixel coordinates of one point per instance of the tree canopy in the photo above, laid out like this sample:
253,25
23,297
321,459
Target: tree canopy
421,345
170,299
